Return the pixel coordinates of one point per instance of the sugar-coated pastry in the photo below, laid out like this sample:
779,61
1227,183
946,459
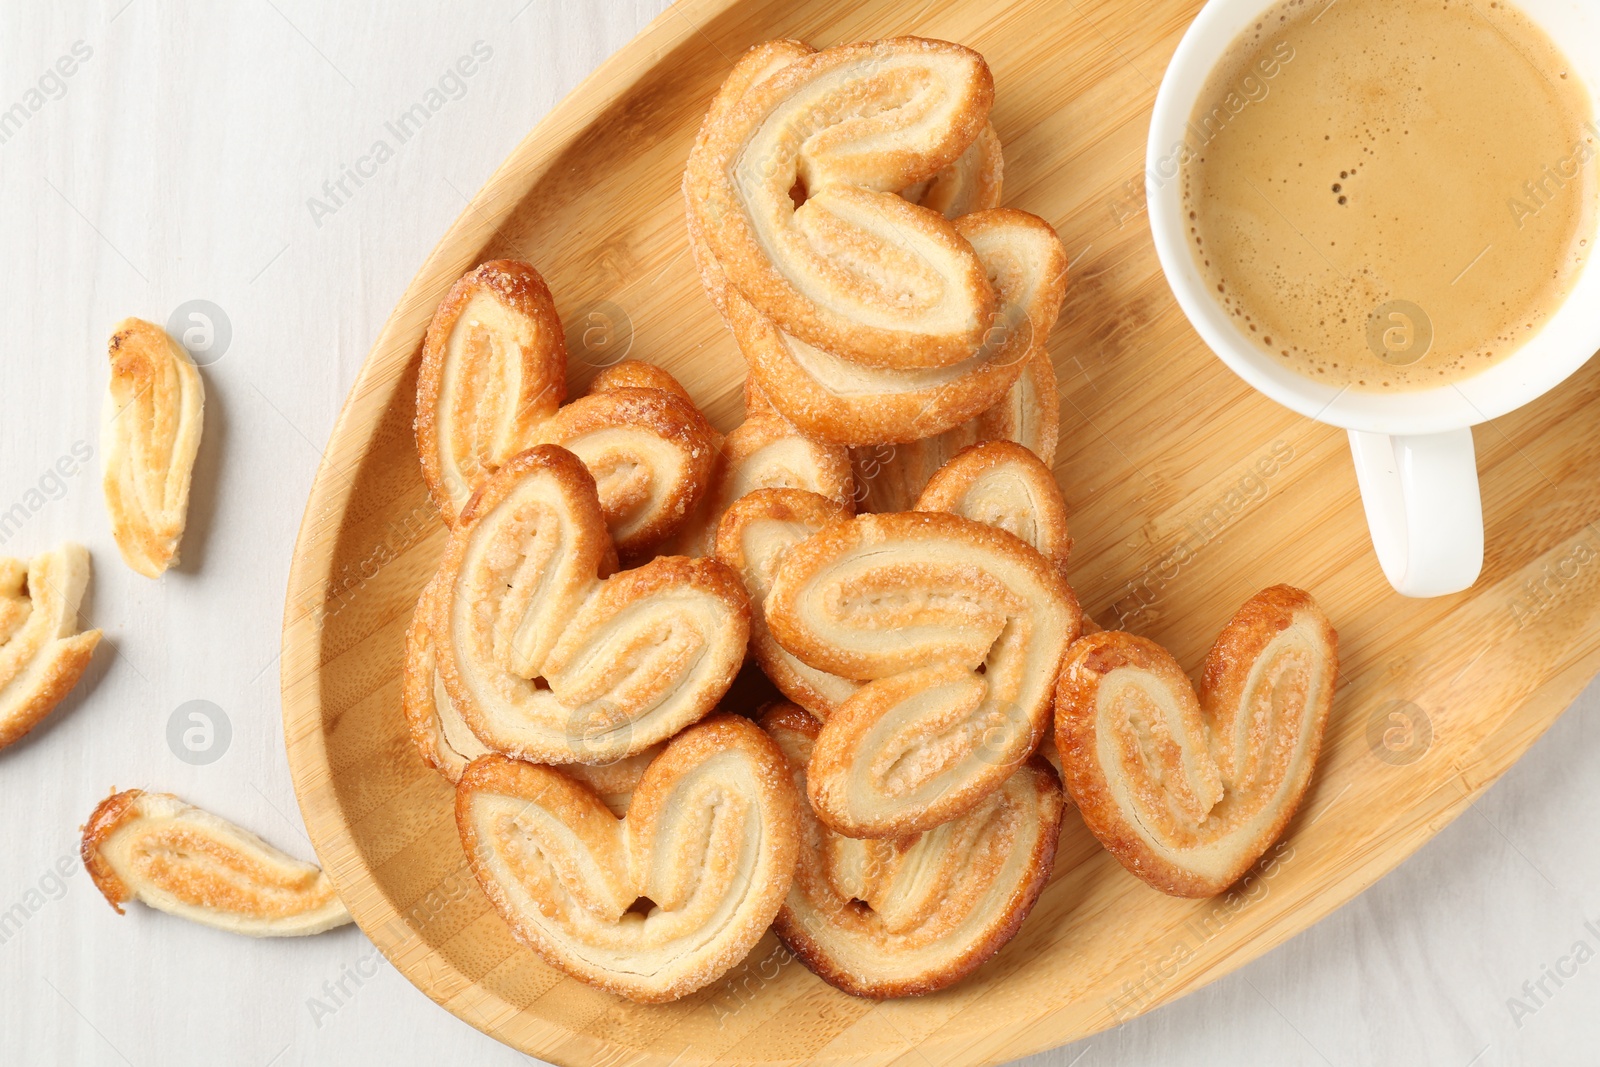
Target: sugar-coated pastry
855,268
877,295
763,452
494,368
172,856
755,533
615,782
1029,413
1002,484
637,374
492,382
888,477
446,743
911,915
149,436
1188,792
999,484
443,740
755,66
660,902
971,183
652,454
756,402
957,628
42,654
833,398
547,654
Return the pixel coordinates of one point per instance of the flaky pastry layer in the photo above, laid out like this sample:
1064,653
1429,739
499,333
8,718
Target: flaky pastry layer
1002,484
755,533
442,737
763,452
889,477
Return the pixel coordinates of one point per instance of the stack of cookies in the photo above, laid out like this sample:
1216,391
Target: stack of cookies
883,537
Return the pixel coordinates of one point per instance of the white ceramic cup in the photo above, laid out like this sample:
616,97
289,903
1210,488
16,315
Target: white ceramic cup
1413,451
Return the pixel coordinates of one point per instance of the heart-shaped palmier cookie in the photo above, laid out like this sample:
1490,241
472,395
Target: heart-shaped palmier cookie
999,483
445,742
659,902
492,382
956,628
548,655
835,398
1188,791
854,268
971,183
910,915
841,290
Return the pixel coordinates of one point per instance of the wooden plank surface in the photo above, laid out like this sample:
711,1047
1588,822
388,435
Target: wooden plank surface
1187,493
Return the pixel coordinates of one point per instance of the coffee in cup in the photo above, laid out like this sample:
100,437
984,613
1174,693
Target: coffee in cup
1391,195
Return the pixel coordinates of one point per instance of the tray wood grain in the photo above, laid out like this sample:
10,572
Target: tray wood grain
1187,491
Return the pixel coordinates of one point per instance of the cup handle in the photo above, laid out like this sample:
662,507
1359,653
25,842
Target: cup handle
1423,509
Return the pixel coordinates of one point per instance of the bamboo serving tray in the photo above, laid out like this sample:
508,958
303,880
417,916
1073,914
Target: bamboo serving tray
1187,492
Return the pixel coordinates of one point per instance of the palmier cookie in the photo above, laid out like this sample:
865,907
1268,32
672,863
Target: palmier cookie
549,656
752,539
443,739
919,297
1189,792
494,369
652,454
1002,484
492,383
832,398
911,915
957,628
889,477
971,183
42,654
656,904
176,858
763,452
999,484
149,437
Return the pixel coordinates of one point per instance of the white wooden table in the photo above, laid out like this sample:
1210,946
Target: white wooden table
185,157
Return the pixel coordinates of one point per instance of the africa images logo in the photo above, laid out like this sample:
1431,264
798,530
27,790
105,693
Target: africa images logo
450,86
